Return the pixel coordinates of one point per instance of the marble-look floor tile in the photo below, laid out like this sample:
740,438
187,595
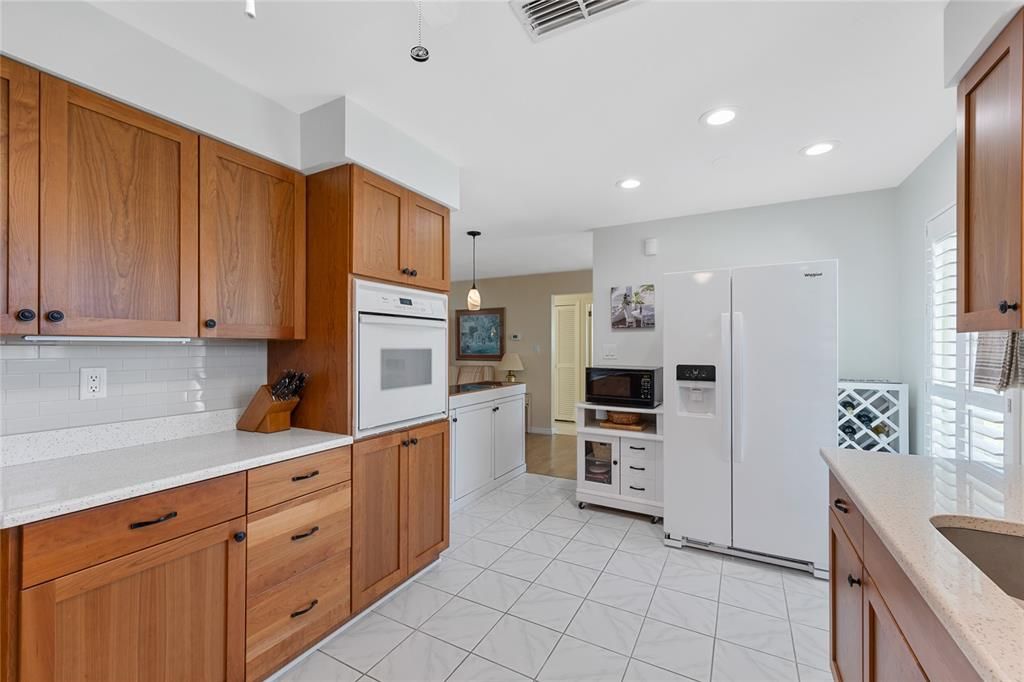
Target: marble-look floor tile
644,569
503,533
525,485
413,605
421,658
486,508
466,524
541,503
569,578
638,671
497,590
752,571
645,527
644,545
586,554
525,565
800,581
476,669
811,646
577,661
600,535
461,622
734,663
682,651
610,519
551,608
556,525
364,643
450,575
700,559
570,510
518,644
808,609
755,631
684,610
690,580
542,543
455,540
479,552
524,518
808,674
622,593
606,627
506,498
319,667
753,596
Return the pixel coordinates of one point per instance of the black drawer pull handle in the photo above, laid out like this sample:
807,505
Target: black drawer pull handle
633,447
840,504
300,612
633,487
853,581
142,524
637,468
311,531
303,477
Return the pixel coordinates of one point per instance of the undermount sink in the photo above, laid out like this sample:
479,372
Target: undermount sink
1000,556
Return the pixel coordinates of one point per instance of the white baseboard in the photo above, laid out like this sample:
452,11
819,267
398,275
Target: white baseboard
541,430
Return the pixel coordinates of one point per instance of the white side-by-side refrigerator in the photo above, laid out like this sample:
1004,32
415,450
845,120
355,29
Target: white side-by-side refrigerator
750,363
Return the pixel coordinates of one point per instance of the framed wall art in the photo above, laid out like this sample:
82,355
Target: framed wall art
481,334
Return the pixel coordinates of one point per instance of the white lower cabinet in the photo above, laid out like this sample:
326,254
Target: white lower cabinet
488,442
620,472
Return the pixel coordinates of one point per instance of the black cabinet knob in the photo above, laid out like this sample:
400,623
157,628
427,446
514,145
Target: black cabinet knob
405,443
615,462
853,581
1006,306
26,315
413,273
210,324
55,316
415,441
406,271
239,536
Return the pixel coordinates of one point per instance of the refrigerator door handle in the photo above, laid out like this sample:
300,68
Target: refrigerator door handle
739,393
725,397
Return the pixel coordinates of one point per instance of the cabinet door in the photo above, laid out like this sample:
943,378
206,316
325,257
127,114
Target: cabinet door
19,198
118,223
597,464
473,463
509,435
252,231
887,656
846,579
425,244
428,494
175,611
379,499
378,222
989,209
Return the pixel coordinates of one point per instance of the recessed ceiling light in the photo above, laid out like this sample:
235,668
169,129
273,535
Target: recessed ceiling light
818,148
718,117
629,183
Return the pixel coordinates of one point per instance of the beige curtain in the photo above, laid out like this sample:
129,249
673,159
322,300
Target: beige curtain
999,361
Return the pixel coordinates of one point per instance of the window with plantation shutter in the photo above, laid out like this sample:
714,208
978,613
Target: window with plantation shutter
962,421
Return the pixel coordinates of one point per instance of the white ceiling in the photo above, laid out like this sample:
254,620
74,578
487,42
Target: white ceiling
542,131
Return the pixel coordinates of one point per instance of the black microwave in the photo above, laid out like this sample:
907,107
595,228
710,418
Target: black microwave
624,386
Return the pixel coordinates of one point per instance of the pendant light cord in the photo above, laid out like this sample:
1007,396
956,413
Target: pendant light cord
474,262
419,22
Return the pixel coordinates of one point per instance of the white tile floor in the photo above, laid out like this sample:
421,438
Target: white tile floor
534,588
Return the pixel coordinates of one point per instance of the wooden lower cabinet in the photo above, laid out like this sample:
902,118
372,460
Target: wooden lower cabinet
174,611
847,604
400,503
887,656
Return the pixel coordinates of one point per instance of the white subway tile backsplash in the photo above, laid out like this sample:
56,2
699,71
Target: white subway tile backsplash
39,382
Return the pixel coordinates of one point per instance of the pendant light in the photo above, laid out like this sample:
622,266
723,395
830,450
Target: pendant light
418,52
473,298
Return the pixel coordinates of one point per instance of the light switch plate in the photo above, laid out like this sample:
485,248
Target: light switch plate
611,351
92,383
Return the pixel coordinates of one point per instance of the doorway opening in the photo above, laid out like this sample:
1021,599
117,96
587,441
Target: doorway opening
572,349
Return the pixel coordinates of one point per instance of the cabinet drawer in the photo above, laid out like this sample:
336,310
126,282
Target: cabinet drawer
846,511
635,447
286,619
643,486
276,483
291,537
66,544
638,466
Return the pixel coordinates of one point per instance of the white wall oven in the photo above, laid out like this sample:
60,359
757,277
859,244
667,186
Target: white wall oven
401,352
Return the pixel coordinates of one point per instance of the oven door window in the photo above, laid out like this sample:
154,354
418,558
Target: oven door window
405,367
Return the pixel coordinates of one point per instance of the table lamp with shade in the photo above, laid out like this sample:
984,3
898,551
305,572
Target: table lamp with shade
511,363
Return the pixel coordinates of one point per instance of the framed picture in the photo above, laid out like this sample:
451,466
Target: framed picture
633,307
481,334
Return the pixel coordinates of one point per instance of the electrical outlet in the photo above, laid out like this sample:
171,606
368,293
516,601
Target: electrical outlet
92,383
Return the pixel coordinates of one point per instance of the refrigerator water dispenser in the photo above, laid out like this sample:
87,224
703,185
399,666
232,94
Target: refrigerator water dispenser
696,386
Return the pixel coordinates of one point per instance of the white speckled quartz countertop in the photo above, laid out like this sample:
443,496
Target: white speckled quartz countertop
38,490
898,496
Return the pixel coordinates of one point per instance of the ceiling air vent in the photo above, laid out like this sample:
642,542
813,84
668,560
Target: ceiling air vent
541,18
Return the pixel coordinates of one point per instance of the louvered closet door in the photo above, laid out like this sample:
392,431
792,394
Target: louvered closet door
567,360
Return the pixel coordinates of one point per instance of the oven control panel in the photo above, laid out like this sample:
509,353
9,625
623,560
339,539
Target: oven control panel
385,299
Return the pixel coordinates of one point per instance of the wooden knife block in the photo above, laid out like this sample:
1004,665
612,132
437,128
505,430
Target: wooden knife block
266,415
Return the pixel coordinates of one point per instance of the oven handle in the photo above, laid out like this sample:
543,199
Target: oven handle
369,318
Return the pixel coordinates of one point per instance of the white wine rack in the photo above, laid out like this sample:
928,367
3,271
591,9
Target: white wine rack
873,416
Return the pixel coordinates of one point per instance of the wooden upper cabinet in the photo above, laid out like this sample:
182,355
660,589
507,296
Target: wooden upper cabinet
19,198
252,270
397,235
378,220
119,218
429,493
174,611
990,215
425,247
